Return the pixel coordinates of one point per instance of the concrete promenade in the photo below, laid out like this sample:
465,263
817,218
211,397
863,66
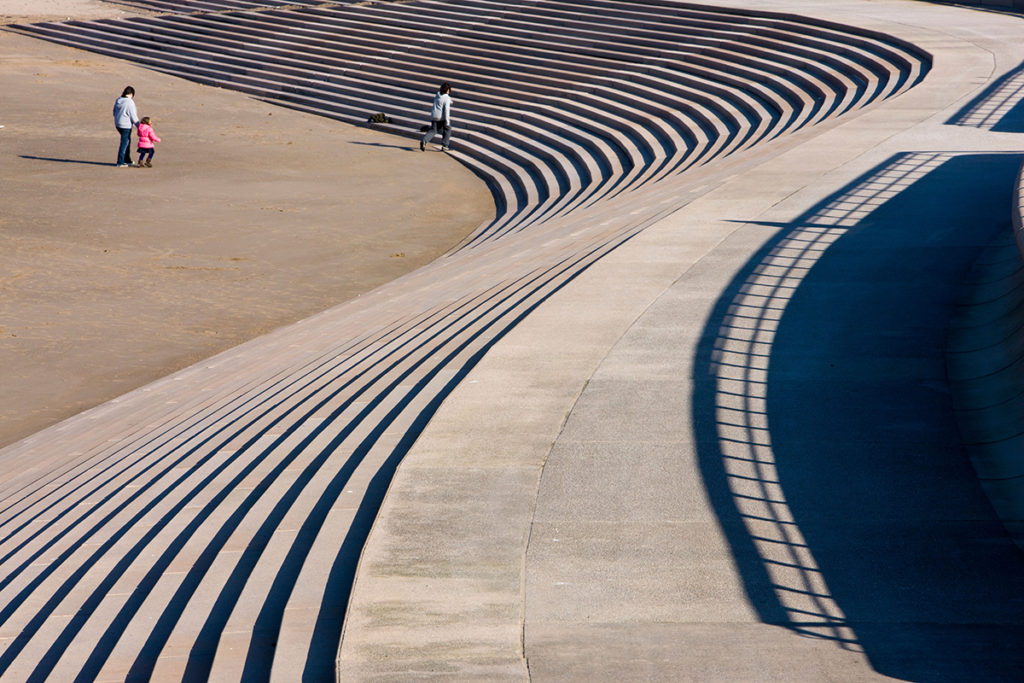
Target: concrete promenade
727,451
656,427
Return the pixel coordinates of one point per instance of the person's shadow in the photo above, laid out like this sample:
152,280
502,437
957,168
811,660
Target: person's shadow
411,145
65,161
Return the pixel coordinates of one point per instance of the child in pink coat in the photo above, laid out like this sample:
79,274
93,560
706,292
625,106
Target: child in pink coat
146,139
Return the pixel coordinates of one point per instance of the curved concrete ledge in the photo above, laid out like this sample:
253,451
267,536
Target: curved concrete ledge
986,366
1017,211
644,421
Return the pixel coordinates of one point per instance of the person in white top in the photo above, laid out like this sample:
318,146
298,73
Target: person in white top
126,117
440,119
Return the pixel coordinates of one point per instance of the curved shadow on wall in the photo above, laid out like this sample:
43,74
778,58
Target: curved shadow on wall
833,461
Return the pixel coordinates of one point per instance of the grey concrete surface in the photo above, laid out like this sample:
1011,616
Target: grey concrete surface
641,426
209,525
755,471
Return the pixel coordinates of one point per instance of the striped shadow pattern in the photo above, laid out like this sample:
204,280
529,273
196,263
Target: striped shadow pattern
559,104
208,526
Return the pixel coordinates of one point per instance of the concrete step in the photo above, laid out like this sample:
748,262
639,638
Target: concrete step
209,525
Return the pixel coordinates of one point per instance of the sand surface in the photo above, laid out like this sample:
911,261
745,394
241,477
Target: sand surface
22,11
252,217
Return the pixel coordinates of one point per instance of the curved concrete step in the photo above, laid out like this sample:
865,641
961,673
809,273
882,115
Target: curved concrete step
208,525
562,184
183,6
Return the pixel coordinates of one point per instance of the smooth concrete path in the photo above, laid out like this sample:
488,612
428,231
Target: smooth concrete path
727,451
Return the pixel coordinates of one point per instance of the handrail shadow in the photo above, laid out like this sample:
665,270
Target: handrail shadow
999,107
833,461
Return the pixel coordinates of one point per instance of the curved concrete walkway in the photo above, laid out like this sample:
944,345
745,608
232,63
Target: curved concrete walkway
743,464
209,525
607,405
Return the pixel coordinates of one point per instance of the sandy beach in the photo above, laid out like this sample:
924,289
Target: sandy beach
27,11
252,217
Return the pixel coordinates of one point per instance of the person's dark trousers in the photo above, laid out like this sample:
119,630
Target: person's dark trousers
124,155
145,154
435,128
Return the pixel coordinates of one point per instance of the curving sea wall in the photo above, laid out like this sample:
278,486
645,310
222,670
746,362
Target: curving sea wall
986,369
